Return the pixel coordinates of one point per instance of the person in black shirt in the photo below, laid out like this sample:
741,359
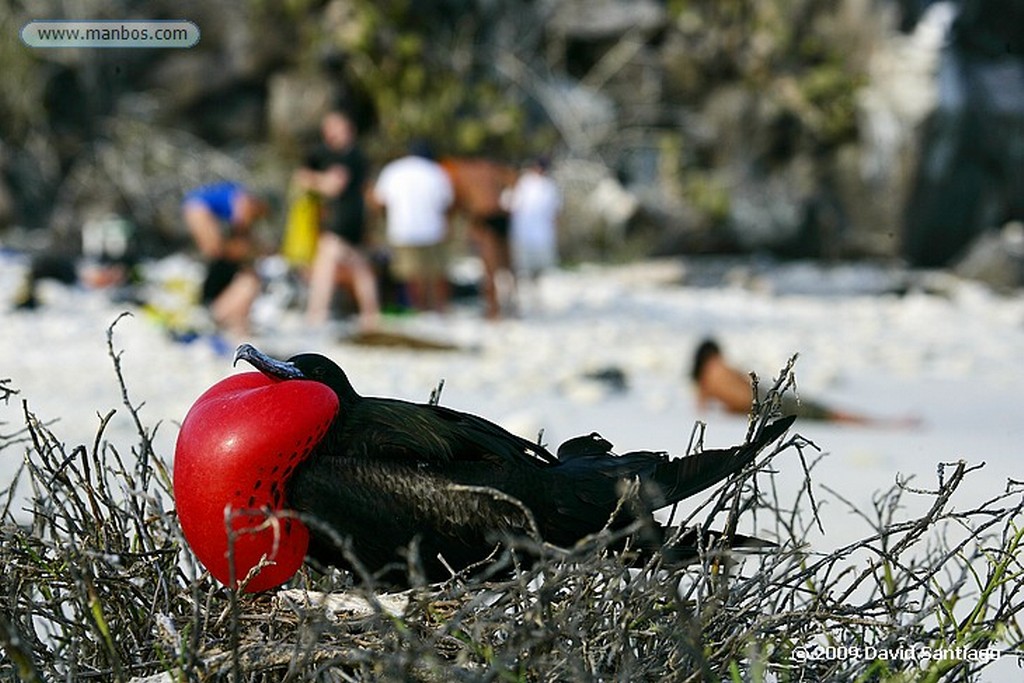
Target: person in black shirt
336,170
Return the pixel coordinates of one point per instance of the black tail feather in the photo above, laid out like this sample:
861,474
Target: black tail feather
683,477
695,541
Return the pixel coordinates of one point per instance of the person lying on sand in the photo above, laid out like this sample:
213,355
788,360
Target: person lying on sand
717,381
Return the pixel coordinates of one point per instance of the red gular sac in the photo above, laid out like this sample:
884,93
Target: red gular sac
238,445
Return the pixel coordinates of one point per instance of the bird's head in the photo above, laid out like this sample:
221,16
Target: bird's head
309,366
237,449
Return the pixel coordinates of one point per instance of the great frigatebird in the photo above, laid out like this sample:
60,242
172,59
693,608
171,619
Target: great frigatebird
389,472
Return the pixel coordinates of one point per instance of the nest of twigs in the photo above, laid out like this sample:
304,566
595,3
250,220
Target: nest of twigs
100,585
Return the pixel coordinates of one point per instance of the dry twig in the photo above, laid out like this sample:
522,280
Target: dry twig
99,585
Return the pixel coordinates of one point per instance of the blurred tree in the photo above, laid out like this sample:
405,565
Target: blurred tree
21,91
428,69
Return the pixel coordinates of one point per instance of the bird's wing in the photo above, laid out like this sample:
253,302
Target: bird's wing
432,435
587,487
381,506
475,435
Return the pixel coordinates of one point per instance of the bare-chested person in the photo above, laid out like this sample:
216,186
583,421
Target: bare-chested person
718,382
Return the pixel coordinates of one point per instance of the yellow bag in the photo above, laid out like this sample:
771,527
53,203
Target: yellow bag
301,230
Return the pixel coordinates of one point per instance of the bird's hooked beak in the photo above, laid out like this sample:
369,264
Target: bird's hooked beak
270,367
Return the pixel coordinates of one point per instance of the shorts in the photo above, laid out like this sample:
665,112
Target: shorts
532,259
808,410
498,223
802,408
218,276
411,263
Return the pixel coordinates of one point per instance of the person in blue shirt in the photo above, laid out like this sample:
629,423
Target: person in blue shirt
220,219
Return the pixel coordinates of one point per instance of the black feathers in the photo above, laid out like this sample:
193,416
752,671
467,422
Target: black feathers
391,473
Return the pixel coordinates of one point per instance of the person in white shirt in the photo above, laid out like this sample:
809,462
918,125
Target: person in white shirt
534,205
416,195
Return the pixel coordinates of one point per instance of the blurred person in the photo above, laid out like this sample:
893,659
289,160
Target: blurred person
220,219
102,274
480,186
107,262
416,196
534,205
718,382
336,171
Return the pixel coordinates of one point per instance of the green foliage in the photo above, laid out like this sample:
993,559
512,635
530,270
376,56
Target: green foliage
766,44
428,77
707,195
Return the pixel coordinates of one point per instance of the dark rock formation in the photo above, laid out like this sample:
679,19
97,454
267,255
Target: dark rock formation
970,176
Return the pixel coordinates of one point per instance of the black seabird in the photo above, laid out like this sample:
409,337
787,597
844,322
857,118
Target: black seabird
391,473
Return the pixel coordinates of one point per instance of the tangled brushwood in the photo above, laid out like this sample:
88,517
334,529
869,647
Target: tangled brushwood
97,584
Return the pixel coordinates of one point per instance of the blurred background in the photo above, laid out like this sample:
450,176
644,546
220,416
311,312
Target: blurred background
828,129
825,177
